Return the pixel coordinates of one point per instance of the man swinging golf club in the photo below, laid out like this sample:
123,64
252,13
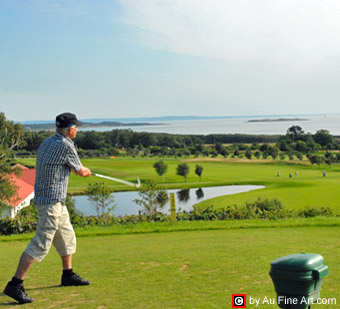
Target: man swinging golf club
56,157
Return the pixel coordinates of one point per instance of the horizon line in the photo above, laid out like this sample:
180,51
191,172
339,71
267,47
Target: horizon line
186,117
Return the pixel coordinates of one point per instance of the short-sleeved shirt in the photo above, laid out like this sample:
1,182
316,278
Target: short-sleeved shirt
56,156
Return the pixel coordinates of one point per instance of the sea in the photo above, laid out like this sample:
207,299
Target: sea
251,125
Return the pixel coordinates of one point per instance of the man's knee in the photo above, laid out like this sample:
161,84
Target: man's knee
47,226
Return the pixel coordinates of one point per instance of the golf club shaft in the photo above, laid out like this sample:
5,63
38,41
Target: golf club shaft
118,180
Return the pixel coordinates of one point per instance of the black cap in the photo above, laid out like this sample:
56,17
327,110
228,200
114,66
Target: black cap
67,120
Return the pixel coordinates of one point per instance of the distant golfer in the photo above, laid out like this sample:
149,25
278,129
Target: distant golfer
324,173
56,157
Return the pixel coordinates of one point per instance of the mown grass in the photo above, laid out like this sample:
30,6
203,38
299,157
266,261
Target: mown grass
201,268
309,188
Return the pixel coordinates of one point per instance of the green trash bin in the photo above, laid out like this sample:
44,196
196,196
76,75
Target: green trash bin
297,279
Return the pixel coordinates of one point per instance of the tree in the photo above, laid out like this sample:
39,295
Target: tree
221,150
101,198
264,147
316,159
323,138
10,138
224,152
182,170
301,146
32,140
199,148
205,152
329,158
199,170
248,153
299,155
161,168
290,155
218,147
273,151
153,198
283,145
295,133
213,153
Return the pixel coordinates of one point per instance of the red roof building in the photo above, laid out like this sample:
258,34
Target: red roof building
25,185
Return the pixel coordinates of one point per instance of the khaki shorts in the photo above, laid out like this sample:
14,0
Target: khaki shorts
54,226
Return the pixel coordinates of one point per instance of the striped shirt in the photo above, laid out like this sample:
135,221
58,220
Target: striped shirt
56,156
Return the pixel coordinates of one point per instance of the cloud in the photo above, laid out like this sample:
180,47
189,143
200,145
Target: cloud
300,34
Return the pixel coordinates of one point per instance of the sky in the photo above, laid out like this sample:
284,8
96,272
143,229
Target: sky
150,58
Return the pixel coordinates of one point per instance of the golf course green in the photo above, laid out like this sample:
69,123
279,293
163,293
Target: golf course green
308,188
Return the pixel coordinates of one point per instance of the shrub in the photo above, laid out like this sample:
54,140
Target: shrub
310,212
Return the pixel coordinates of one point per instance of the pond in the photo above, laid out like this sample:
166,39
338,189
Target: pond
185,199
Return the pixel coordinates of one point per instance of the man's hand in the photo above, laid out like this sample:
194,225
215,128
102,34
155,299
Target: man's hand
83,172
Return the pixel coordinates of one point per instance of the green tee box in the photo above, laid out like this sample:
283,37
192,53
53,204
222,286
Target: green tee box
297,279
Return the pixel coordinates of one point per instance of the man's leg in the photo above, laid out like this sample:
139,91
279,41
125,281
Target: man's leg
25,264
65,243
67,261
37,249
15,288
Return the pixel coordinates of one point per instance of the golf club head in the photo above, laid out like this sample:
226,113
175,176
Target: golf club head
138,183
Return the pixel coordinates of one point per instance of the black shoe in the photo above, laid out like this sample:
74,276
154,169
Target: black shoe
18,293
73,280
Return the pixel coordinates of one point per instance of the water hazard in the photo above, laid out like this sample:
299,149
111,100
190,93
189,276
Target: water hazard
185,199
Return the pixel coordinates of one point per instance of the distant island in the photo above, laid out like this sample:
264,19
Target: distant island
86,125
277,119
152,121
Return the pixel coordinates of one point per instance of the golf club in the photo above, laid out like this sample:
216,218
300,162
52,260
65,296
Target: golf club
137,185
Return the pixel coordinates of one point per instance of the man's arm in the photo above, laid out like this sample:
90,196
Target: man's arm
83,172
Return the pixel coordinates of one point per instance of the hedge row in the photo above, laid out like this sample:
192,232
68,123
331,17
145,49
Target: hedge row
266,209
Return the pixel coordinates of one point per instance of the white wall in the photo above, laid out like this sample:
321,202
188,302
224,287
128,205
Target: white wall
12,211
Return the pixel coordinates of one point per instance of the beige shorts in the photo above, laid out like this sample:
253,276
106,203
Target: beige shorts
54,226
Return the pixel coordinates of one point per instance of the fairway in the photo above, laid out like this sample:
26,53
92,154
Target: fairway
194,269
309,188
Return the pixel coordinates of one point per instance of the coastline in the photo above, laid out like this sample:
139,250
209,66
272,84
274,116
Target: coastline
278,119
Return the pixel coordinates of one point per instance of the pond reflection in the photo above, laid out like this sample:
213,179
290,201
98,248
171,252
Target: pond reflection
199,193
185,200
183,195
